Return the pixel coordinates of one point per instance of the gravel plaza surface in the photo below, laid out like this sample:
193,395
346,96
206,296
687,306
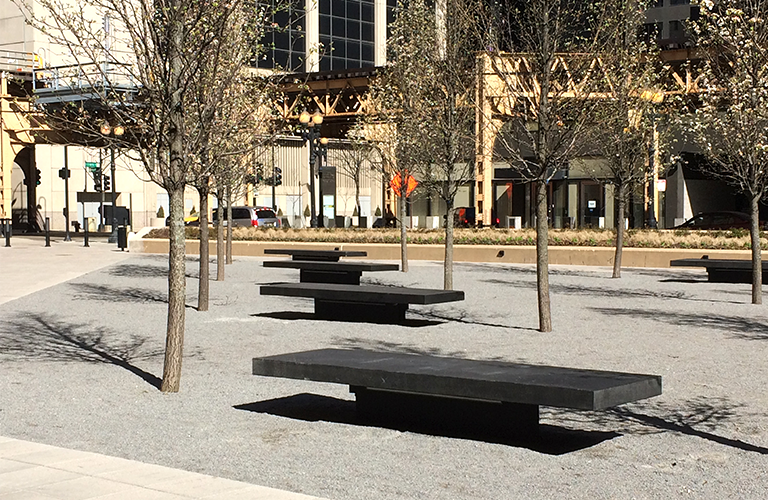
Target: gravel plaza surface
80,361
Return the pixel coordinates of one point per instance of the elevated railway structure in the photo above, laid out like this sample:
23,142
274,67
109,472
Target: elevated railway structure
339,95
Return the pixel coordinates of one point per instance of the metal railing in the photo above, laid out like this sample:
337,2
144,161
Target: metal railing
15,61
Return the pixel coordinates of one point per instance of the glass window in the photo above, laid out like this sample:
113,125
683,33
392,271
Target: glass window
353,30
367,31
342,29
338,27
284,44
353,50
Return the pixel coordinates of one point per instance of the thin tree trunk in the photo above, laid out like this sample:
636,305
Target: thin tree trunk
620,201
403,236
448,262
174,340
220,238
757,264
177,285
542,258
229,225
203,288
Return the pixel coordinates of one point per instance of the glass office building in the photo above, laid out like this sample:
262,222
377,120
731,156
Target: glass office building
328,35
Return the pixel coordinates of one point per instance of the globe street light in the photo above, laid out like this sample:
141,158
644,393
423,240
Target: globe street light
310,132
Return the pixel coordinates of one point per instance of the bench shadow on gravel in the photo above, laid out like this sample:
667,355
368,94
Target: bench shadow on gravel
40,337
317,408
296,316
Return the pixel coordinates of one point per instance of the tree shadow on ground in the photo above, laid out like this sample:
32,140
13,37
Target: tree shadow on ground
39,337
530,270
315,408
90,291
462,317
698,417
296,316
143,271
560,289
737,326
384,346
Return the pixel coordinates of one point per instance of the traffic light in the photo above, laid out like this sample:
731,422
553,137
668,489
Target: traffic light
278,176
106,183
37,178
97,181
64,173
259,174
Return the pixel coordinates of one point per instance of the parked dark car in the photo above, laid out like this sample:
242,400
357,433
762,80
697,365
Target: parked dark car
717,220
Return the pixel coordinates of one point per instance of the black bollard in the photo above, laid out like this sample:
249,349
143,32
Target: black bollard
85,234
7,231
47,231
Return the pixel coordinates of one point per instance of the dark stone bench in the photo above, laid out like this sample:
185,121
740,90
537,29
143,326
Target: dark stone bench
315,255
723,270
372,303
330,272
414,388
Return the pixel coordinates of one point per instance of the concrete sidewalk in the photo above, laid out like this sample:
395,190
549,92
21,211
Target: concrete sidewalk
33,471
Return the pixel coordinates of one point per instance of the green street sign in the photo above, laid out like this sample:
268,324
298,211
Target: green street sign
92,165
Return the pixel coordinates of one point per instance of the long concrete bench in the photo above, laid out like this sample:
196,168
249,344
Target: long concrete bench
414,388
373,303
348,272
723,270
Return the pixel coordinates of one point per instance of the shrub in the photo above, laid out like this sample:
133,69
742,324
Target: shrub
160,213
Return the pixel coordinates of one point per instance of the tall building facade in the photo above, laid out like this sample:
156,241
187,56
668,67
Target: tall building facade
308,36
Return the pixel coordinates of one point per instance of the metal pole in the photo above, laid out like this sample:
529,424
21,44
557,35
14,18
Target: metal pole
101,195
47,231
652,223
85,234
113,236
274,180
67,236
312,160
321,220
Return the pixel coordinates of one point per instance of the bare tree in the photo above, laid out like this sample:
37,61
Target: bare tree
222,78
730,120
622,123
542,52
142,72
398,94
356,159
446,114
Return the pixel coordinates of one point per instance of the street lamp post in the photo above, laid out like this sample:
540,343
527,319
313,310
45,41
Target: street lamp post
652,223
311,133
116,131
654,97
322,153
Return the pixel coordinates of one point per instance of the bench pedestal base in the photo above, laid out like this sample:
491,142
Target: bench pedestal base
466,416
718,275
360,311
313,276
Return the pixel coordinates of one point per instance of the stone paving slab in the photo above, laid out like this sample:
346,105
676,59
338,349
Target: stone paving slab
33,471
